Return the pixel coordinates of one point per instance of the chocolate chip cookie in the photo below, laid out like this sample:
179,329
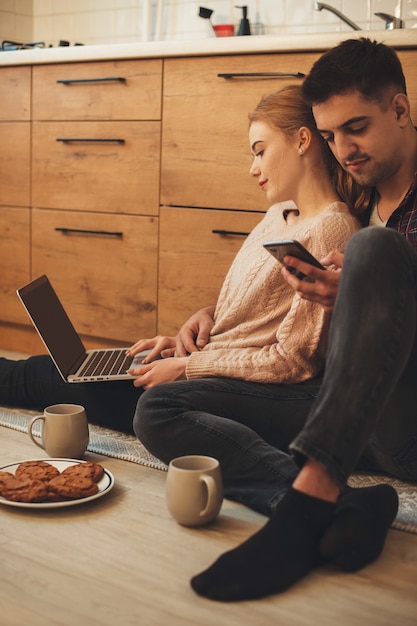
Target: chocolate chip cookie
87,469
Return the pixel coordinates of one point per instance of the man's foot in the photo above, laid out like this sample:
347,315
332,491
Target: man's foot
274,558
359,528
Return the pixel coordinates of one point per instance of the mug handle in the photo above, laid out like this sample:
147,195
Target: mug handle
31,435
211,495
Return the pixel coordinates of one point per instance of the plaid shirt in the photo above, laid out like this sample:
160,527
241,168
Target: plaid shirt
404,218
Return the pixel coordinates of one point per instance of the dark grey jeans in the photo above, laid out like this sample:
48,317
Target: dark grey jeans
361,415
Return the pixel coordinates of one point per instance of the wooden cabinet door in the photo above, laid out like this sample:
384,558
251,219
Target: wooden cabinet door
15,163
205,149
408,60
105,90
14,261
103,266
96,166
15,88
196,249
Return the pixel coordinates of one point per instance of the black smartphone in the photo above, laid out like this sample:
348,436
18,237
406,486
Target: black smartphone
290,247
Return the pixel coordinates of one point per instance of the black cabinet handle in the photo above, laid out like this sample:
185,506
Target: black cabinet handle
71,81
229,233
230,75
68,231
89,140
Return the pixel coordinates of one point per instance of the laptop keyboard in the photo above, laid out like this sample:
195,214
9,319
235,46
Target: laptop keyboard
107,362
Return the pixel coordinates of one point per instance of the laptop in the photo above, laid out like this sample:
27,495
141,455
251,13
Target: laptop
72,360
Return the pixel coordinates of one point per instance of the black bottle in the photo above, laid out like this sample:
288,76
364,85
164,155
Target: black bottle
244,26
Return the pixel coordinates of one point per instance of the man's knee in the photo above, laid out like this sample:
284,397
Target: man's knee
374,246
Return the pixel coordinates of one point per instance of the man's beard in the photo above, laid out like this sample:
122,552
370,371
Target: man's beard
379,172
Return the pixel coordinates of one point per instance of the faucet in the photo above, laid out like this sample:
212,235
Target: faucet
318,6
391,22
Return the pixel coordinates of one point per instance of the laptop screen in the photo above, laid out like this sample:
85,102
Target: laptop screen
52,324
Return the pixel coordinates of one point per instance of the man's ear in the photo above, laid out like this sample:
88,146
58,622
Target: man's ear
401,106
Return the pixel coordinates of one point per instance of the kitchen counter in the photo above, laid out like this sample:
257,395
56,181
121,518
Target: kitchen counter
404,38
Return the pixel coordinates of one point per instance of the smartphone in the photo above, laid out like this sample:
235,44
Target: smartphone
290,247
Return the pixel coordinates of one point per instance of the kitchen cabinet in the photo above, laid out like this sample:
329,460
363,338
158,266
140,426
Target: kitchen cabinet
110,167
206,155
105,90
86,164
196,248
15,163
15,84
103,267
127,182
95,192
408,60
14,261
15,88
209,201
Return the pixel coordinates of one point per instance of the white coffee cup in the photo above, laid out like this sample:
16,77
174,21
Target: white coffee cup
64,432
194,489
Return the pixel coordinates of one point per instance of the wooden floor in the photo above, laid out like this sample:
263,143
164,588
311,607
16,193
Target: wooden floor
122,560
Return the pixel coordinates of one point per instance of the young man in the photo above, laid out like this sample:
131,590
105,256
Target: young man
366,404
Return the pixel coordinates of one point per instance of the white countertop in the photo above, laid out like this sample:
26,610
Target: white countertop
401,38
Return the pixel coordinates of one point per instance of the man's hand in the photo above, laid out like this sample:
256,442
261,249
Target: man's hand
195,333
158,346
325,283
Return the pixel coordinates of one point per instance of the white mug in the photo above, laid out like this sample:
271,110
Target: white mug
64,431
194,489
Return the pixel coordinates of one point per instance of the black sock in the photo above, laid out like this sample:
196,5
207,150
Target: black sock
275,557
360,525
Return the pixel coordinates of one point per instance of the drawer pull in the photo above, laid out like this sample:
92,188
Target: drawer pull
230,75
68,231
89,140
228,233
71,81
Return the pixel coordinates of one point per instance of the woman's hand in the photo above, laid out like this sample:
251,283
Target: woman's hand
158,372
195,333
325,285
158,346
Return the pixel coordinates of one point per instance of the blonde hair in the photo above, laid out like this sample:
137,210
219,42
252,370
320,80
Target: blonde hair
287,111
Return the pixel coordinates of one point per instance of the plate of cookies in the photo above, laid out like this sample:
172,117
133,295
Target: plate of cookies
53,483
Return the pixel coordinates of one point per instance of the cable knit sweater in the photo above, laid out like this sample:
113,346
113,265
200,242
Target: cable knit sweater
263,331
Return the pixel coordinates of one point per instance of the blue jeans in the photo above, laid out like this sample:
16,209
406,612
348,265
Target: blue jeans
361,415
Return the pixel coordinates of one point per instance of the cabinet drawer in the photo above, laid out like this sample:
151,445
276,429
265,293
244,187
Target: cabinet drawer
197,248
104,268
113,90
206,155
96,166
14,261
15,90
15,163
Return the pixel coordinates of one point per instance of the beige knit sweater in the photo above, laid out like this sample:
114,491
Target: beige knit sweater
263,331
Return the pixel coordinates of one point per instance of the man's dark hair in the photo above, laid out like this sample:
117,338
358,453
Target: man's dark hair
354,65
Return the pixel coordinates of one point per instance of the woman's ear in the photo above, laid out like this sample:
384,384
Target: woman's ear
303,139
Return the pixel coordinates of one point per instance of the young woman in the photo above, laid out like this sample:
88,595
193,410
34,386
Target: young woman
266,346
261,332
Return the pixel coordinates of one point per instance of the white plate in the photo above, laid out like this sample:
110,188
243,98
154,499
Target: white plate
105,484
